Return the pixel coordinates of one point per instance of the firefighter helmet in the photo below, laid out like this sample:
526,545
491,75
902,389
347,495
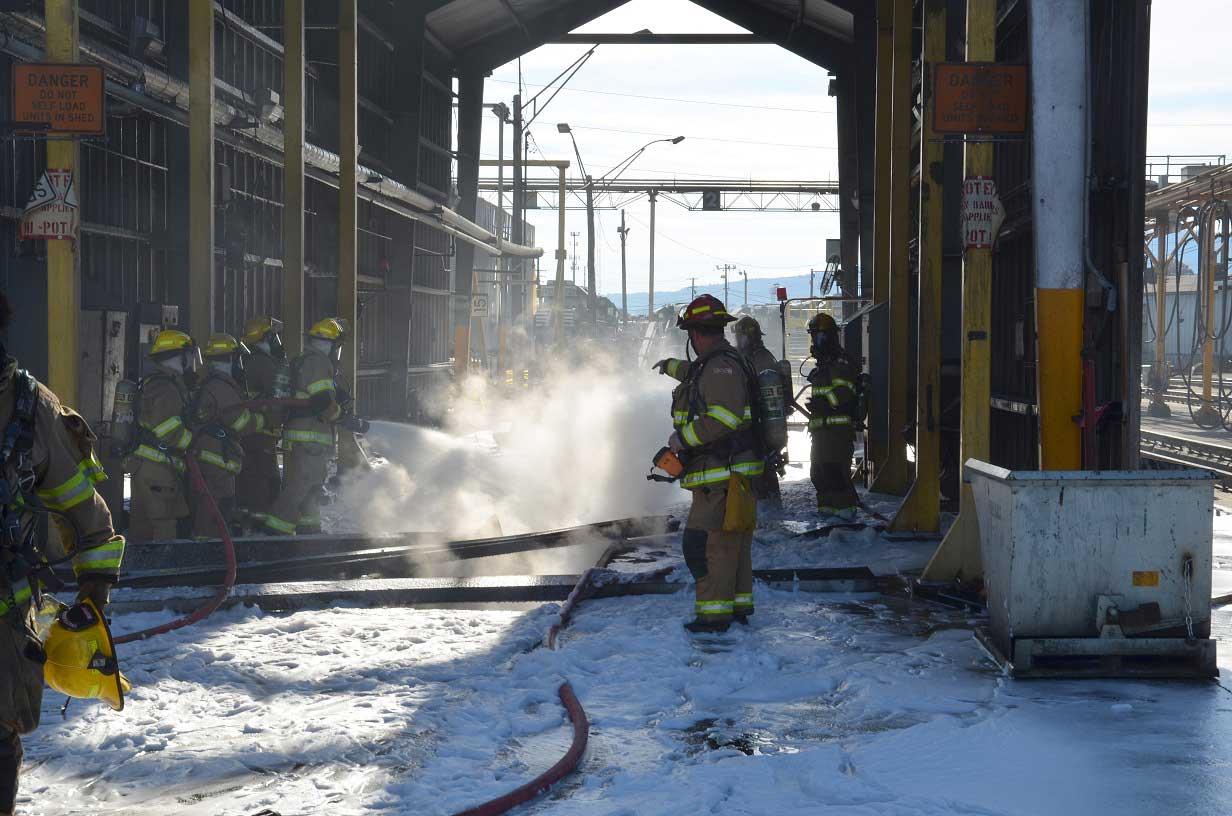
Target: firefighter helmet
223,346
258,328
330,328
706,311
81,659
171,341
822,322
748,327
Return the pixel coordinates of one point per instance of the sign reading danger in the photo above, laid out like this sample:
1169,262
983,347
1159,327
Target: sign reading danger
979,97
63,98
982,213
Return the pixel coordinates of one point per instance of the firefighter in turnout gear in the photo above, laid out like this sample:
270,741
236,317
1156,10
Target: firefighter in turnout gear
266,377
47,468
308,435
220,422
833,408
159,498
751,345
713,413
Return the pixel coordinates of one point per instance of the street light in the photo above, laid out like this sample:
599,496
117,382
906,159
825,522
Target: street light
617,170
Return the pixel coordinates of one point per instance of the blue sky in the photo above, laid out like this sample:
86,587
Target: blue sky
762,112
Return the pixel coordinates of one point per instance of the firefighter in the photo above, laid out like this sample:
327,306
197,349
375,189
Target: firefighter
220,423
712,412
833,407
751,345
159,498
308,435
266,377
48,467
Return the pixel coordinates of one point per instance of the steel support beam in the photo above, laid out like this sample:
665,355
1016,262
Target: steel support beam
875,440
866,119
293,175
848,184
892,476
470,127
497,49
63,281
649,38
200,168
812,44
958,557
921,510
348,187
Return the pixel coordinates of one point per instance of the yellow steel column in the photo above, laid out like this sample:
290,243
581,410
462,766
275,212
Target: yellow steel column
920,511
959,554
200,168
348,133
293,175
892,474
63,286
876,453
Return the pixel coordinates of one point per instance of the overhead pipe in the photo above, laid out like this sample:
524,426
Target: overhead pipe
161,87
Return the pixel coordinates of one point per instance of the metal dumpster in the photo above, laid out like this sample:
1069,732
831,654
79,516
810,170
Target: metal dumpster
1096,573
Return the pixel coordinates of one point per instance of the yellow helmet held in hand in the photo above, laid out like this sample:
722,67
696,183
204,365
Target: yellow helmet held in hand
258,328
223,345
330,328
171,340
81,659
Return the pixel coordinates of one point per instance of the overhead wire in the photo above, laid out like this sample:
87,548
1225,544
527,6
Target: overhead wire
708,102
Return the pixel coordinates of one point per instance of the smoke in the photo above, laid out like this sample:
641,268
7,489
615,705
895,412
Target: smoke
571,450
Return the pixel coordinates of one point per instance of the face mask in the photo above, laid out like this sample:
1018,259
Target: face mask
274,347
744,343
221,367
821,345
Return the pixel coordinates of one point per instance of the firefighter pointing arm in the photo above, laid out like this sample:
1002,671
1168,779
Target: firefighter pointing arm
48,467
712,412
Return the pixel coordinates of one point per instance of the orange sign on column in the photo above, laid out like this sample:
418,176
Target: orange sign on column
65,99
980,97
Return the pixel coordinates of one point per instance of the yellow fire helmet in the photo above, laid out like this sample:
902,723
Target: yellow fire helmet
81,659
822,322
255,330
171,340
330,328
223,346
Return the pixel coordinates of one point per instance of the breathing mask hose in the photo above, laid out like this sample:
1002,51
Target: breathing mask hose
209,607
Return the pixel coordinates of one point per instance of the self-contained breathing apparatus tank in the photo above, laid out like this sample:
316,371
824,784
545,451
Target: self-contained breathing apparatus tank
282,381
771,395
124,417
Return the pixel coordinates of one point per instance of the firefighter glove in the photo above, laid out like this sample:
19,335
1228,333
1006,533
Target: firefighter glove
95,588
675,443
661,366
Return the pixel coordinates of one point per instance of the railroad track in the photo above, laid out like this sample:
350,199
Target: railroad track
1172,451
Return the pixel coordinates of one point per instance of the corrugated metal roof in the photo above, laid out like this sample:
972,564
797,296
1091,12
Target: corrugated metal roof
467,26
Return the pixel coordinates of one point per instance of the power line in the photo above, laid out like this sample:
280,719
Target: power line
677,99
707,138
662,234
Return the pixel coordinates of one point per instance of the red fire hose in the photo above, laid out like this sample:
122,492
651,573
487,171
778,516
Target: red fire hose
581,726
208,608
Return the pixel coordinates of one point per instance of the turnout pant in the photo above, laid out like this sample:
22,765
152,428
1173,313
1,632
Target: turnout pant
158,502
221,485
10,769
21,697
258,484
721,562
831,471
298,503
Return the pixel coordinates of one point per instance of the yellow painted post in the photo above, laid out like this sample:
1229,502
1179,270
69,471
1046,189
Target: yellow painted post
920,511
876,453
200,168
293,175
892,475
958,557
63,284
348,140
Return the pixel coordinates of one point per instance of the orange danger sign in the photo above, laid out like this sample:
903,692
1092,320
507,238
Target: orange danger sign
65,98
979,97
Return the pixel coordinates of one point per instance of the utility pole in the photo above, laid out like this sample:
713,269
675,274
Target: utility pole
812,275
573,268
519,202
591,283
654,194
624,286
725,268
692,288
745,272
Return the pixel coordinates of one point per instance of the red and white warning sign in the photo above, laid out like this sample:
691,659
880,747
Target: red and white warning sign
52,211
982,213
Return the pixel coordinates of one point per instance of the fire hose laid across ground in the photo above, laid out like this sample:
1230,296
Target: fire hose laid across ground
208,608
